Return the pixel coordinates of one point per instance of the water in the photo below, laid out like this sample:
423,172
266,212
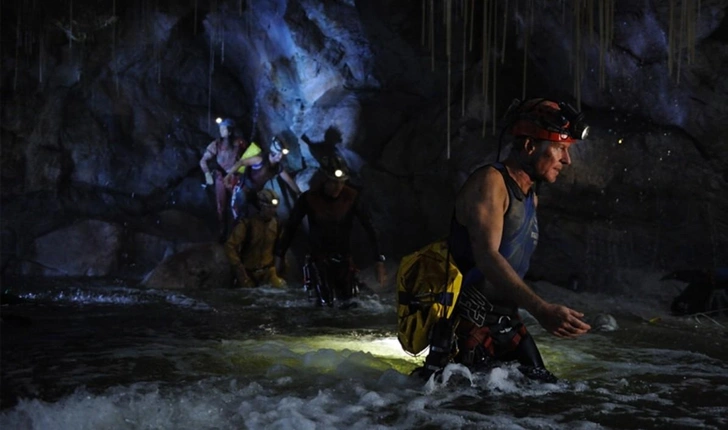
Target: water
106,356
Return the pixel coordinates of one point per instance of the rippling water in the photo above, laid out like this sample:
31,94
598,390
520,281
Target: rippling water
101,356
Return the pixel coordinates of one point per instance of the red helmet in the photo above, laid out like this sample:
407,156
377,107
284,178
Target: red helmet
545,119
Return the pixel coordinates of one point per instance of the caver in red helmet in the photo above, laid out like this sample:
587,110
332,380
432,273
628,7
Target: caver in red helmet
544,119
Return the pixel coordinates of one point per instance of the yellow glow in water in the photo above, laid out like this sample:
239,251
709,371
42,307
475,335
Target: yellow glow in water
311,351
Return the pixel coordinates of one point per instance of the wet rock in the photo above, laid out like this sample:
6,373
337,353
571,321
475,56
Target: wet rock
201,266
87,248
603,322
706,292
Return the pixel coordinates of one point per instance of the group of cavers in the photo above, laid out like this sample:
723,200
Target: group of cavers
460,296
255,240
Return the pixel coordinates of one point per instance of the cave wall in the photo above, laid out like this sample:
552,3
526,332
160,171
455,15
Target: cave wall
104,121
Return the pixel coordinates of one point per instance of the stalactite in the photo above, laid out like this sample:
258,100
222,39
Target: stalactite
681,42
41,52
600,24
609,23
694,22
449,70
194,25
486,50
495,70
432,34
209,86
444,12
70,27
465,51
526,37
221,24
113,48
505,32
240,7
698,19
472,23
689,34
157,43
222,48
486,62
577,52
448,28
606,31
424,19
670,38
590,19
17,50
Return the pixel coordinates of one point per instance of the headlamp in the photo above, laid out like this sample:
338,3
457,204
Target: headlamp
577,128
274,202
544,119
277,148
338,173
218,120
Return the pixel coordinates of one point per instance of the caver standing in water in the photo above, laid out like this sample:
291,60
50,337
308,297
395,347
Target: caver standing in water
225,154
254,178
330,209
250,246
493,235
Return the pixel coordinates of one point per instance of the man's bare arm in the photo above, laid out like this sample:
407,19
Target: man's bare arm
481,207
249,161
288,179
207,156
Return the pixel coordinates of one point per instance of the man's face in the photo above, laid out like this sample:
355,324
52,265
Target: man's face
550,158
332,187
275,157
224,132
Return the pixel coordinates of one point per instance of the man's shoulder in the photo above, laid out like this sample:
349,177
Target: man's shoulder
488,173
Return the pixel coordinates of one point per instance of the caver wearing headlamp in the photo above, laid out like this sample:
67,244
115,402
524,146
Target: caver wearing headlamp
250,246
226,155
331,208
256,176
493,234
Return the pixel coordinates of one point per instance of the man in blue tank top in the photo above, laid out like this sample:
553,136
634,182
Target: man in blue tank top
494,233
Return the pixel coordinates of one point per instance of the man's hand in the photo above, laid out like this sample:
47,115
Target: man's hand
562,321
381,274
229,180
208,178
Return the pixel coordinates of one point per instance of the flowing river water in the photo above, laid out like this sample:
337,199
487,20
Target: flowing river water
95,355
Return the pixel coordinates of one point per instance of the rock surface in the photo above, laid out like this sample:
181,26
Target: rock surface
103,125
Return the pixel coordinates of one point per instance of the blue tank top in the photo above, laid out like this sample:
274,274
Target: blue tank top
520,232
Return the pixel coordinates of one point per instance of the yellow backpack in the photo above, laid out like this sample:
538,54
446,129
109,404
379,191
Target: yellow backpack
251,151
428,286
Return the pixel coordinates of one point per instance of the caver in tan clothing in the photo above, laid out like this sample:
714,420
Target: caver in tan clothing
250,251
